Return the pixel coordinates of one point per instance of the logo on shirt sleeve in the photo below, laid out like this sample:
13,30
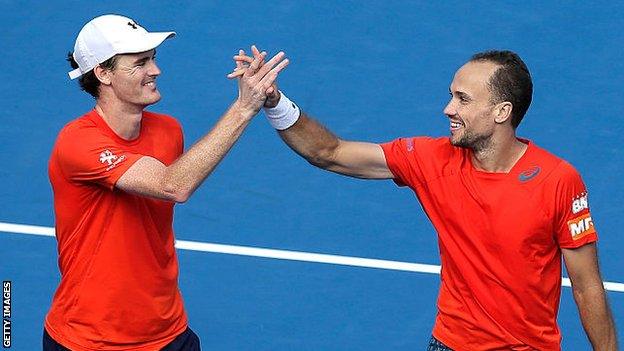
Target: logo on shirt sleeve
579,203
107,157
409,144
581,226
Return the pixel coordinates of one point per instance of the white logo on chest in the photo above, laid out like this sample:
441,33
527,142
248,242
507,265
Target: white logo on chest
107,157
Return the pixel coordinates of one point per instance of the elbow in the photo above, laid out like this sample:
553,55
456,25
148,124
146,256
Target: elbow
595,289
175,194
180,198
320,162
322,158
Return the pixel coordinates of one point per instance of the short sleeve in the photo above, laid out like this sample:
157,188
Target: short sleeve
86,155
574,226
411,160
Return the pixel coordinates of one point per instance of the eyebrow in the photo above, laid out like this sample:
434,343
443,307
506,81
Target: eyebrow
146,58
461,94
142,60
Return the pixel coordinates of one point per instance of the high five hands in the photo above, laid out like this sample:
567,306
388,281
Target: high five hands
258,76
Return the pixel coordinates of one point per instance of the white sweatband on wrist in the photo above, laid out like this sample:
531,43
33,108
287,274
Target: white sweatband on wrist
284,115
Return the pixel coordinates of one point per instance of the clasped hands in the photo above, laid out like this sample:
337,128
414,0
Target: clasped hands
256,79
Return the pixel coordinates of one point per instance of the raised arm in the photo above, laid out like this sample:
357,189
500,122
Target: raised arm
323,149
150,177
317,144
590,297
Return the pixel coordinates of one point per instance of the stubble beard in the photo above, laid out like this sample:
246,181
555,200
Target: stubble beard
476,142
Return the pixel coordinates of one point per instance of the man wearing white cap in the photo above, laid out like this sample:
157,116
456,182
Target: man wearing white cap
116,173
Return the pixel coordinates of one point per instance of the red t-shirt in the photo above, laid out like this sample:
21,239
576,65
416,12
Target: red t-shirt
119,271
500,236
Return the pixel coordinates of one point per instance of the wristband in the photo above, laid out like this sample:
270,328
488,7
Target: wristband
284,115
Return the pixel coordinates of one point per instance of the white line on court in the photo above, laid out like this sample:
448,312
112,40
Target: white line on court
284,254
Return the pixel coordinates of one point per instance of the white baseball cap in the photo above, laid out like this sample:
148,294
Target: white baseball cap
106,36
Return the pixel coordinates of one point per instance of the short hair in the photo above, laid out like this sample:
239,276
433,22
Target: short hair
510,82
88,81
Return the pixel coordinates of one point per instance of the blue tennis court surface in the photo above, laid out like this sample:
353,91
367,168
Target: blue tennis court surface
369,70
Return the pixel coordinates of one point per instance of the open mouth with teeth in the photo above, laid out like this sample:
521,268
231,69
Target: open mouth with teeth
455,125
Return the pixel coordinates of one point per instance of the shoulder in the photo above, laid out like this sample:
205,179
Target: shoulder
423,152
557,170
424,156
78,141
76,125
436,144
438,151
422,144
78,131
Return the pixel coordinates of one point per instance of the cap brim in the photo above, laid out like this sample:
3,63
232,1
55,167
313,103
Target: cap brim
150,41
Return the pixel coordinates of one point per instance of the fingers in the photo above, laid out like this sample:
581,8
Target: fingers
242,62
259,55
269,65
254,51
239,64
256,54
237,73
243,59
268,80
253,67
257,78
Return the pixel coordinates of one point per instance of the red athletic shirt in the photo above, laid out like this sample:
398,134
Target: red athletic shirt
119,271
500,238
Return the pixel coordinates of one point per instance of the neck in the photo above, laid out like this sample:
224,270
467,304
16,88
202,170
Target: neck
124,120
499,156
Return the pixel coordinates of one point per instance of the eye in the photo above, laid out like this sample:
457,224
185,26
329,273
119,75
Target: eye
463,100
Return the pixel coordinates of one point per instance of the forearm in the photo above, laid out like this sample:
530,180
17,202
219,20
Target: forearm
596,317
312,141
176,182
182,177
323,149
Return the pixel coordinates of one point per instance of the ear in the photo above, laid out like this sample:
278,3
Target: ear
502,112
102,74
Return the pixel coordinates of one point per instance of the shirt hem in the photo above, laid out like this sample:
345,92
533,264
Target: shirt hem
446,342
78,347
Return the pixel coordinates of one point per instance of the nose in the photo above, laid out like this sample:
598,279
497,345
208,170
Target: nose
450,110
153,69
